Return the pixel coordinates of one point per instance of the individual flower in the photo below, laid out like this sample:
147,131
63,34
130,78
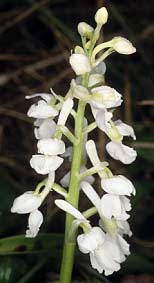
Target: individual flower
121,152
109,205
45,128
80,64
29,202
105,97
43,108
44,164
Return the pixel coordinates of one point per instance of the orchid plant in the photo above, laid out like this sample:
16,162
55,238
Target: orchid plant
104,243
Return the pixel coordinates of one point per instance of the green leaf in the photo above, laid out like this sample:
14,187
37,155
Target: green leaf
48,243
9,269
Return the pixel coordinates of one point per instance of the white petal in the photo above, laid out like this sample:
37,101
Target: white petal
42,110
124,129
126,203
121,152
118,185
96,265
95,79
100,69
102,119
123,245
65,180
106,97
110,205
34,222
123,45
43,164
64,205
104,258
50,180
38,122
80,64
92,152
65,111
91,194
51,146
114,248
46,96
91,241
26,203
124,228
46,129
68,153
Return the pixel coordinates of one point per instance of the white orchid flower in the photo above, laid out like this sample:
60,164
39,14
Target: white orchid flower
26,203
44,164
106,252
109,205
80,64
35,220
51,146
119,151
65,180
45,128
105,97
42,109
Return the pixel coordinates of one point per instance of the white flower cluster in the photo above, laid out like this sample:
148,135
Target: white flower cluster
47,160
105,244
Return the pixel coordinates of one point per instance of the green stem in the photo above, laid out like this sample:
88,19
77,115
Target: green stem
73,195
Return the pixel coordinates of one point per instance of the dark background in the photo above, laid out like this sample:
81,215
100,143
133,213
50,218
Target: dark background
36,39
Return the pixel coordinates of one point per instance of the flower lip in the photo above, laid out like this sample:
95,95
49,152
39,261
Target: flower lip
34,222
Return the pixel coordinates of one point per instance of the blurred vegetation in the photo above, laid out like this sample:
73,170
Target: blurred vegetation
36,38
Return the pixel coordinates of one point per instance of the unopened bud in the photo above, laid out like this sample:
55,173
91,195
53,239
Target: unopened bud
123,45
85,30
101,16
80,64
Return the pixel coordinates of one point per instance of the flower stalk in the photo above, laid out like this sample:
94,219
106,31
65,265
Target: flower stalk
73,194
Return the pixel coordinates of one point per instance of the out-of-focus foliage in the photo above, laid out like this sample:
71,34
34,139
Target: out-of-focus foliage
36,39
